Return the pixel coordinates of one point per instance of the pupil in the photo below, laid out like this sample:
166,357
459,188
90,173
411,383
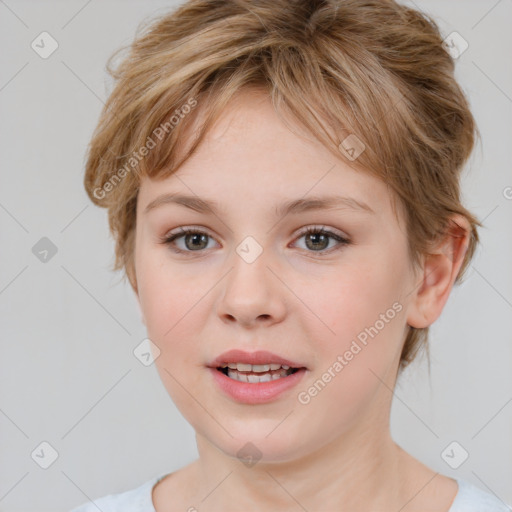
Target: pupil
195,236
315,236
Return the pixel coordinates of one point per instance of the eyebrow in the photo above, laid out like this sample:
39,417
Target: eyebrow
294,206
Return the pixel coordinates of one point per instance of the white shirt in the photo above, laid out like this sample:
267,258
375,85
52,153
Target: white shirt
469,498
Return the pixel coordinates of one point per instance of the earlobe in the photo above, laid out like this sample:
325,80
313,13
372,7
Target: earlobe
440,269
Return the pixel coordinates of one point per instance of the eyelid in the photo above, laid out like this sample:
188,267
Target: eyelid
332,233
341,239
169,237
300,232
183,230
322,227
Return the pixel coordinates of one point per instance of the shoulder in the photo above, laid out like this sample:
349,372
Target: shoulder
138,499
471,498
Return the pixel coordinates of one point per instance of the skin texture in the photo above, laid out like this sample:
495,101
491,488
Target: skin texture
335,452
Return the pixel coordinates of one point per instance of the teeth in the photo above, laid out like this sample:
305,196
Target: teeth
260,367
257,368
253,379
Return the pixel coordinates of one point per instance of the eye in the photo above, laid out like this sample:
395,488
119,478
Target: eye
318,239
195,240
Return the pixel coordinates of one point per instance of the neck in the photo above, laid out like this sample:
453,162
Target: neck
363,468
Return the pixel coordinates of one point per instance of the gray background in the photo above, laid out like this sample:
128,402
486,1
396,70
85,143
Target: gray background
69,326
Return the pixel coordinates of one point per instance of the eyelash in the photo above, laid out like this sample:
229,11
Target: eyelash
168,240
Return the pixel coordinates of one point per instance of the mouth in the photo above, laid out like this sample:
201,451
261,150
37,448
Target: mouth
256,373
256,387
255,377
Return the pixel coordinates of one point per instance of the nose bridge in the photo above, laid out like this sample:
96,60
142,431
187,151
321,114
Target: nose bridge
251,289
250,261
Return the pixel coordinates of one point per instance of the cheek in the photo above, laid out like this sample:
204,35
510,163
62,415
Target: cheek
350,301
171,302
168,295
366,321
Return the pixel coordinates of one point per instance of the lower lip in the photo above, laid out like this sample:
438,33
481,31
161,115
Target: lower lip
259,392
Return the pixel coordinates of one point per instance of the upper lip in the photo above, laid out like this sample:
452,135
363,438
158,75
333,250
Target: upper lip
258,357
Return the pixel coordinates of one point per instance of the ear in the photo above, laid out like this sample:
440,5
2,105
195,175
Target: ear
440,269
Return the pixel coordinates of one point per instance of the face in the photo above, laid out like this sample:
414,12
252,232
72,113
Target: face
333,300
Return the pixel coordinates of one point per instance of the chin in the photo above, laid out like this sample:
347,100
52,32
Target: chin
251,446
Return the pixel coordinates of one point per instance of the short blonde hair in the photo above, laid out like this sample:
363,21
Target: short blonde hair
373,69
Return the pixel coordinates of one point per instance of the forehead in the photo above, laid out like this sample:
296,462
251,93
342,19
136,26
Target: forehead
256,155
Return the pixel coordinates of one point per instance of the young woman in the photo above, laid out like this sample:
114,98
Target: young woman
282,181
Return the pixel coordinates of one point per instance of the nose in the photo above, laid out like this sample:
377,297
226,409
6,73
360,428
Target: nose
252,293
